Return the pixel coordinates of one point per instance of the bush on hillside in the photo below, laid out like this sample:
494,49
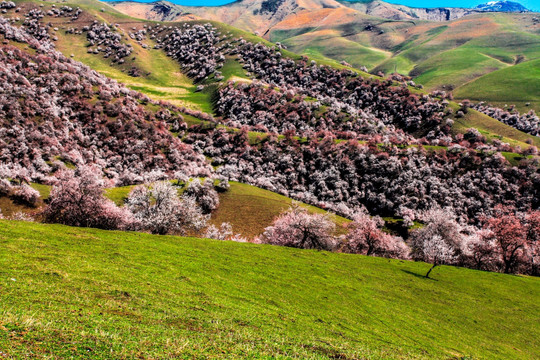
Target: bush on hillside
77,199
204,194
159,209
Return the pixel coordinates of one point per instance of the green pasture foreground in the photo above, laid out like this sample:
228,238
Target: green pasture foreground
85,293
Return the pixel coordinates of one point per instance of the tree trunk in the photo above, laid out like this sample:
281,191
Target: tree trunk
429,271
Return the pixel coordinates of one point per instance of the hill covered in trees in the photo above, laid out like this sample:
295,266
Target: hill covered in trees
442,49
328,135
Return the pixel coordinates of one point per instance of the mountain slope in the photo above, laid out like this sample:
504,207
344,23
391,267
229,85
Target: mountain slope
380,36
182,297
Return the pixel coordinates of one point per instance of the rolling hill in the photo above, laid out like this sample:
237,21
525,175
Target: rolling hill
440,52
71,292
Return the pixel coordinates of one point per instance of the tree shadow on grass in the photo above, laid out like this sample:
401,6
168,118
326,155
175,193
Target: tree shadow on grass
418,275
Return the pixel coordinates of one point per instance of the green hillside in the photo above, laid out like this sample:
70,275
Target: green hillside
439,55
85,293
514,85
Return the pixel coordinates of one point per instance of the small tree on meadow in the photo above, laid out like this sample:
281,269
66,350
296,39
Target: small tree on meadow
300,229
437,251
439,241
160,210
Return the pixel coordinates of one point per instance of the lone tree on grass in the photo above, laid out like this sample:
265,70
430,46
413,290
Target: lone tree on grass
438,242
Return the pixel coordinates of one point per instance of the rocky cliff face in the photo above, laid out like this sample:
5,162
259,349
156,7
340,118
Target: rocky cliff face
438,14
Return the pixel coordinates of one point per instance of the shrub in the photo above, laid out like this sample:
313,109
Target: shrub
160,210
77,199
221,233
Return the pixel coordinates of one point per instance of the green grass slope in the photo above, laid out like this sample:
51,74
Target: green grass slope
85,293
250,209
336,47
438,55
517,85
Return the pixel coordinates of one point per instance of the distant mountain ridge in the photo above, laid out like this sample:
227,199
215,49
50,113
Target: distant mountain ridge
258,15
502,6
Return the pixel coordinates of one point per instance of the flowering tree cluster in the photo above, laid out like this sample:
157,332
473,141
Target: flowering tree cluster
103,38
356,105
529,122
267,109
65,11
297,228
506,243
386,180
195,47
509,242
54,110
7,5
389,103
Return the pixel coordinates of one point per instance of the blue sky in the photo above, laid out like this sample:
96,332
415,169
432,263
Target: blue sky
530,4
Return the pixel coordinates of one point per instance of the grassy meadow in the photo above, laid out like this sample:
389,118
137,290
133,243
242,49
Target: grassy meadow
86,293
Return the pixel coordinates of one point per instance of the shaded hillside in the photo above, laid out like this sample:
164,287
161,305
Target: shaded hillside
69,291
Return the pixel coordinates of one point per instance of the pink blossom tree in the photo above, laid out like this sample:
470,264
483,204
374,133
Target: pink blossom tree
300,229
509,236
366,237
77,199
